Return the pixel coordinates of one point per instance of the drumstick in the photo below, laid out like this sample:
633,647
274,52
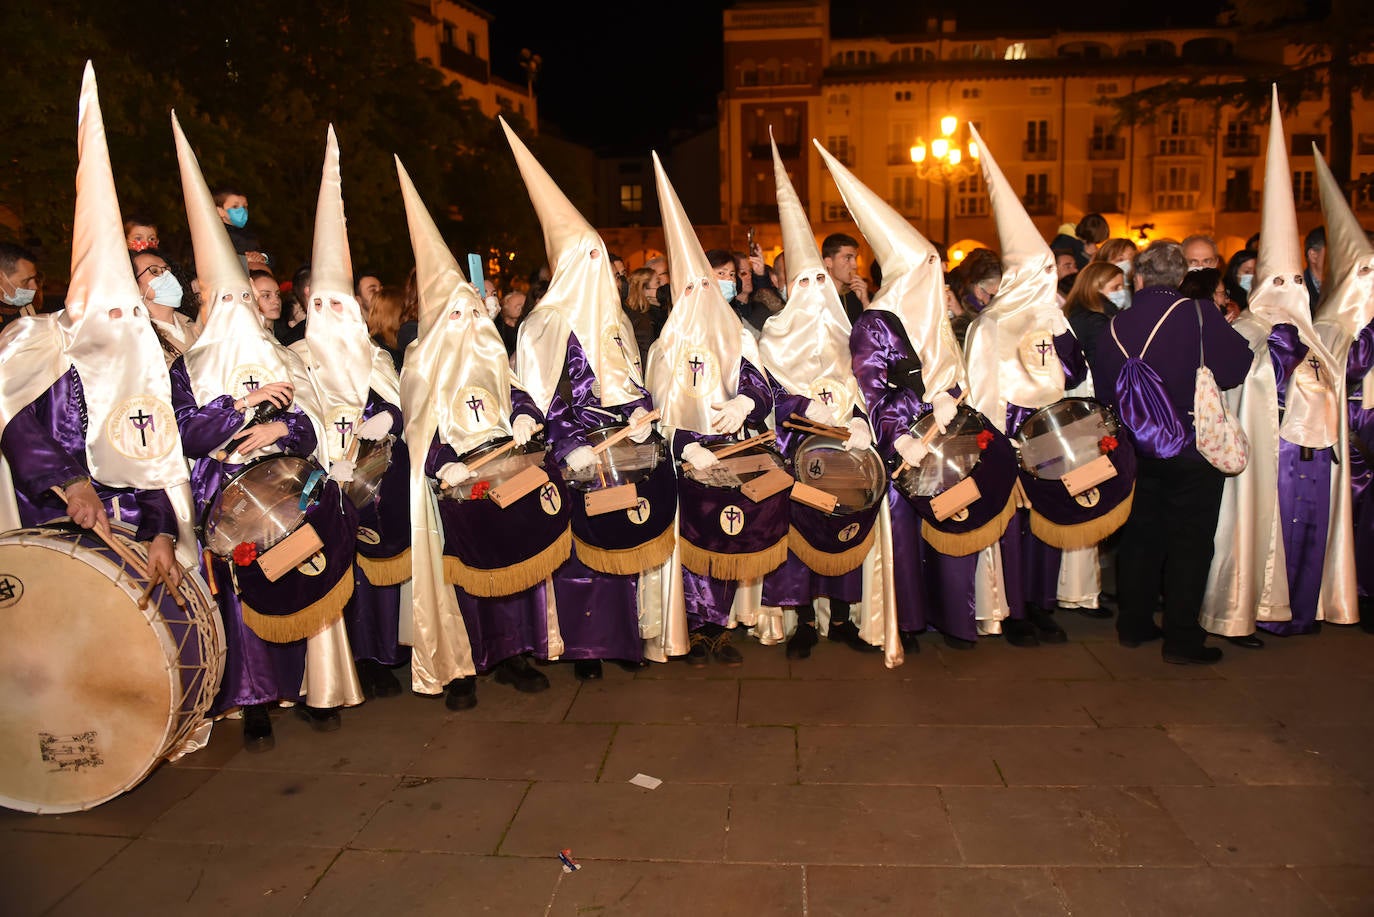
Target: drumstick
816,426
743,444
124,553
617,436
930,434
493,454
210,572
143,599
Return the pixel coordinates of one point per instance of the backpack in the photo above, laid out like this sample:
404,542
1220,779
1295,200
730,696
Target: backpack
1143,404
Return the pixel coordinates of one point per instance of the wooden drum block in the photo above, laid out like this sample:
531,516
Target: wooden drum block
519,485
610,499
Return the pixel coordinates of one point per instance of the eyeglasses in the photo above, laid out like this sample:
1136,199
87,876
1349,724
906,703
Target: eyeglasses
157,270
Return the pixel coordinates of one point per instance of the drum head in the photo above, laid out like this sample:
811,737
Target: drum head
857,479
625,462
370,465
499,470
92,695
260,504
734,471
953,453
1063,436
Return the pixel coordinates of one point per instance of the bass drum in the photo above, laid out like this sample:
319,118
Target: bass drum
970,448
837,542
1062,438
100,691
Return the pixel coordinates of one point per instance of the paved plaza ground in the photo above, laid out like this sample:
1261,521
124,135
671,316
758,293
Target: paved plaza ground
1075,779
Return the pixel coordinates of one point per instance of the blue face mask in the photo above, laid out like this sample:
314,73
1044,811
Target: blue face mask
727,289
1246,281
238,216
1119,298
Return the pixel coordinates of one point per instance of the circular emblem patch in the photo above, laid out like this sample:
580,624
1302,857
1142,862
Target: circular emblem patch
832,395
848,532
11,590
732,520
248,378
961,516
1039,356
1311,376
313,565
368,536
143,427
1089,498
698,373
340,424
476,408
639,513
550,500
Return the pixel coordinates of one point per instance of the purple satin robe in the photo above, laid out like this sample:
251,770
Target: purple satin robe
1360,362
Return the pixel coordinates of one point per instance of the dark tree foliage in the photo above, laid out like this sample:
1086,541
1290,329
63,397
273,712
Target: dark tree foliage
254,84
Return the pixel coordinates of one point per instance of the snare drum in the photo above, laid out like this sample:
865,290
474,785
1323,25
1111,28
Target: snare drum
632,540
495,551
1063,447
955,457
99,691
837,542
380,490
725,533
261,503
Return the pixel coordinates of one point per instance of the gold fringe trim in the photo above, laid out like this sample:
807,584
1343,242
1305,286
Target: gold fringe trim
963,544
628,561
733,566
302,624
498,581
825,563
1085,534
386,571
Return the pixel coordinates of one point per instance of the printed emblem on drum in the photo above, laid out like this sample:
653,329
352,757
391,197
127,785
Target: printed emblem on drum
340,424
550,500
1038,354
368,536
70,753
848,532
815,468
477,407
11,590
248,378
1311,376
314,564
698,373
142,428
639,513
961,516
732,520
1088,498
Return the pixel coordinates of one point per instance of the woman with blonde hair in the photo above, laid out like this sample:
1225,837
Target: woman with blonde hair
1099,292
384,320
641,304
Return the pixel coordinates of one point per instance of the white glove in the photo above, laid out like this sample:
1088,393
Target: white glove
522,428
455,473
911,449
376,426
943,407
731,415
637,419
1059,323
493,307
341,471
698,456
859,436
820,413
580,459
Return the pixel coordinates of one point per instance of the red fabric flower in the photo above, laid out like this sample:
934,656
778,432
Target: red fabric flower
1106,444
480,490
985,439
245,553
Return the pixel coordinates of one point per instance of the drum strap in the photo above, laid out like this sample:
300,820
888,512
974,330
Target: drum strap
906,372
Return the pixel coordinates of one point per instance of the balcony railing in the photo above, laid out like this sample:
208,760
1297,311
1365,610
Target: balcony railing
1040,150
1247,202
832,213
1175,200
759,213
469,65
1177,146
1307,203
1041,204
1240,145
898,154
1106,202
1108,146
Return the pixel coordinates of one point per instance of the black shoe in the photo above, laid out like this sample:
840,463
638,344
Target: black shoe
802,640
321,719
910,643
724,653
257,729
845,632
1100,613
519,674
700,650
1132,642
1046,627
1019,632
377,680
958,643
1249,642
1197,655
631,667
462,693
587,669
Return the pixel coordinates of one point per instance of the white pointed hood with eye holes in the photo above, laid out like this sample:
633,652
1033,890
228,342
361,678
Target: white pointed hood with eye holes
695,362
1347,303
1010,350
1279,296
582,299
340,357
806,345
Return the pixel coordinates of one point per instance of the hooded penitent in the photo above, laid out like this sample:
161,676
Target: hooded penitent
235,353
343,361
1346,308
695,362
913,280
582,299
805,347
1010,349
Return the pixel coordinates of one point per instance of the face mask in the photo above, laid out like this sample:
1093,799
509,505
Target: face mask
238,216
665,296
623,286
1125,267
166,290
1246,281
1066,284
1119,298
140,245
727,289
1197,267
20,297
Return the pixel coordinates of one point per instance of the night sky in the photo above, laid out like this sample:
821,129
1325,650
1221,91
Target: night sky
621,76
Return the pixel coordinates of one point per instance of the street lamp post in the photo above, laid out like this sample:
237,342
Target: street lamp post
943,161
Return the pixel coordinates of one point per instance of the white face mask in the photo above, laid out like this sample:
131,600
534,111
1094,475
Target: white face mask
1246,281
1119,298
166,290
20,297
1125,267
